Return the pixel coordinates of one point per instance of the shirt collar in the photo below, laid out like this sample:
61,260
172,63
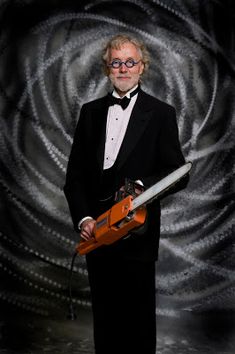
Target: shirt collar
115,94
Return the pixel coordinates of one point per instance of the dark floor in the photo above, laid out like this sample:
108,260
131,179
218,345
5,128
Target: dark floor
29,334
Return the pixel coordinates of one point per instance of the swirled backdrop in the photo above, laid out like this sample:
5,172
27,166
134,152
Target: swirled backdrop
49,66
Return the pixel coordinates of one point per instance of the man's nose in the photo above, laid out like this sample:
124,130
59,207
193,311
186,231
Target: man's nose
123,68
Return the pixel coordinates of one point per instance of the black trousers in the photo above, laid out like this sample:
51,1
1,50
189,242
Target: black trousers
123,303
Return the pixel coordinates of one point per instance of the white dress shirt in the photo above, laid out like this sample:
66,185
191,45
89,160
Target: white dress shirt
117,122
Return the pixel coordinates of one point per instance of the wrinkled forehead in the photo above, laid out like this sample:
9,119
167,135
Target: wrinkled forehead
124,51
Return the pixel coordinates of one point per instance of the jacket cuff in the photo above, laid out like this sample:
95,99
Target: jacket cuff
83,219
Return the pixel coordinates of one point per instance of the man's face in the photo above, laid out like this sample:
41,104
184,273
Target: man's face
123,78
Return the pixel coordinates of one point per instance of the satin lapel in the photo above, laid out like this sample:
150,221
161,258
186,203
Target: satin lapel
138,121
101,114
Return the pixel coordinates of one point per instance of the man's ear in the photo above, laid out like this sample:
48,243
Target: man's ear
142,68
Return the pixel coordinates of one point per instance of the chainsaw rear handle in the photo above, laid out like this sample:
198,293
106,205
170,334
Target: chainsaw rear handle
113,225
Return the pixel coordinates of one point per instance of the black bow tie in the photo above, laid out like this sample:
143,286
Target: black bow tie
123,102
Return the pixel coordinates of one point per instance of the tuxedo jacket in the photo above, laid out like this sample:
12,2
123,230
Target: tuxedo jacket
150,151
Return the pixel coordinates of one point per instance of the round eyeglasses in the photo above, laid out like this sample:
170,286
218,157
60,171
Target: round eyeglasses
116,63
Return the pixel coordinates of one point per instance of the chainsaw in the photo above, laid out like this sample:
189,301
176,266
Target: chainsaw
129,213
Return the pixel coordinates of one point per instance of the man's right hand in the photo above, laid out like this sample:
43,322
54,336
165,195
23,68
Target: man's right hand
87,229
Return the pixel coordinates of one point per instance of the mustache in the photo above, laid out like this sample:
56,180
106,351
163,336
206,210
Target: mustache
121,76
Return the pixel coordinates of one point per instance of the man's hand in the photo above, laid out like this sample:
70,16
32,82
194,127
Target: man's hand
121,193
87,229
139,189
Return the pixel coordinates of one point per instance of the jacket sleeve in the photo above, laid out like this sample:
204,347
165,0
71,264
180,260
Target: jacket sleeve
170,154
76,187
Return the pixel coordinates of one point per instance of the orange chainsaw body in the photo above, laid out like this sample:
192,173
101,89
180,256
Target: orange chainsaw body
113,225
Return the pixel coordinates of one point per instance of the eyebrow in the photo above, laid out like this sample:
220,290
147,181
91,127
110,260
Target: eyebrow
125,60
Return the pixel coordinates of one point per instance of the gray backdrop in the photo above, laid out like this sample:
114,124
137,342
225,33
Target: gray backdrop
49,66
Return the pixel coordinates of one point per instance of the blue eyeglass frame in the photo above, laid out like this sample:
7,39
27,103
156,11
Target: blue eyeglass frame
123,62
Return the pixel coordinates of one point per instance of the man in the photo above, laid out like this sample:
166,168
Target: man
111,142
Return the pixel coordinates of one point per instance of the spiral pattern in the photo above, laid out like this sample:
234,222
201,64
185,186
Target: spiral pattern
49,69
